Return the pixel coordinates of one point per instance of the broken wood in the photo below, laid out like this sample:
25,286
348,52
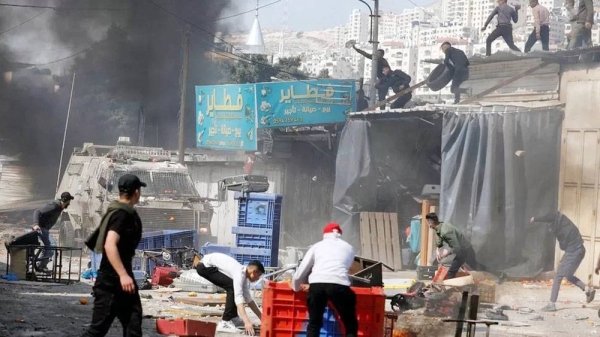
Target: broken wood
505,82
200,301
393,97
192,313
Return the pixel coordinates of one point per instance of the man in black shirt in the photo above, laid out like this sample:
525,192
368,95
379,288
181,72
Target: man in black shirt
116,293
43,220
381,63
456,59
570,241
398,81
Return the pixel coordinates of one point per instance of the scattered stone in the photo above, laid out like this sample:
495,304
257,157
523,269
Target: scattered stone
146,296
83,301
574,317
536,318
192,294
525,310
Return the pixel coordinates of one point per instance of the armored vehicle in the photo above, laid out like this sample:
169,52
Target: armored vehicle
169,202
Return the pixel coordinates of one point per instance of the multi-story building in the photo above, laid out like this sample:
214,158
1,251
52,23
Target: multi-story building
359,26
432,35
407,19
337,65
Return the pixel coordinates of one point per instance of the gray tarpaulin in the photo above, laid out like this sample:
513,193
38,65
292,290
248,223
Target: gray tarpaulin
381,164
490,192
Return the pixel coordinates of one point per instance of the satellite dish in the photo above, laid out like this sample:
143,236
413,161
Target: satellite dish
350,43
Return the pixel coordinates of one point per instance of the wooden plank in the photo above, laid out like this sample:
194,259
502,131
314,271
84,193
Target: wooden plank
397,247
393,97
373,231
365,235
381,238
200,301
504,83
432,237
389,250
424,233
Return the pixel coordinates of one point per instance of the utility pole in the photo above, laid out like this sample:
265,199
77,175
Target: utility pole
183,87
375,36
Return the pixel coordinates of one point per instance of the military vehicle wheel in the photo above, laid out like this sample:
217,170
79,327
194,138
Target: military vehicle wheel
66,236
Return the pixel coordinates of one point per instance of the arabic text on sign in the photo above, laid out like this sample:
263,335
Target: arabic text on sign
227,143
326,109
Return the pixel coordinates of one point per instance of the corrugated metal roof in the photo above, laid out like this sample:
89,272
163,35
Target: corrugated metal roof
483,107
504,56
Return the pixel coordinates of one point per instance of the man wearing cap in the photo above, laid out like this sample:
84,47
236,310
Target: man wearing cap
326,266
225,272
115,291
43,220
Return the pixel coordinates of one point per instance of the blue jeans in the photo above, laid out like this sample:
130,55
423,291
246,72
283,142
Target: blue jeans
48,241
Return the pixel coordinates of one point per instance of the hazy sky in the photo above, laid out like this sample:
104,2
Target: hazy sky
305,15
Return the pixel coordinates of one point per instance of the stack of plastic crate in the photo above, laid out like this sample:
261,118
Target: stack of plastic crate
257,230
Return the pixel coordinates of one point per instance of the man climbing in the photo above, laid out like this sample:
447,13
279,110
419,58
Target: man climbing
43,220
326,266
570,241
504,28
458,60
398,81
541,26
458,245
381,62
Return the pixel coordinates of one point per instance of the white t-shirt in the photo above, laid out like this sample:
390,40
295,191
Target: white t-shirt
230,267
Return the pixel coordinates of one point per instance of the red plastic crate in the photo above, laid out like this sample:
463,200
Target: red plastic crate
185,327
285,314
164,276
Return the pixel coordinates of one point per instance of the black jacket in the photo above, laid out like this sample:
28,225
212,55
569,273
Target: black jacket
394,80
380,62
47,216
566,233
456,58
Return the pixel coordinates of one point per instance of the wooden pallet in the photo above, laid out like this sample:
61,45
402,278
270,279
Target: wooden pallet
380,239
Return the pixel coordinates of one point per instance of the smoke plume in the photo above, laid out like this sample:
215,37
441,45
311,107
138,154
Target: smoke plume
127,62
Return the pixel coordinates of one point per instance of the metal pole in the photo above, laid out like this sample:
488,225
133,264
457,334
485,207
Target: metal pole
62,150
375,36
183,84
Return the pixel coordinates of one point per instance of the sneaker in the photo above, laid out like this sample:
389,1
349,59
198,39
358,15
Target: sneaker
238,322
590,293
228,327
550,307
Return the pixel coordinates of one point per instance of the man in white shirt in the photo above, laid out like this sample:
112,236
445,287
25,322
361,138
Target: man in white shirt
326,265
225,272
541,29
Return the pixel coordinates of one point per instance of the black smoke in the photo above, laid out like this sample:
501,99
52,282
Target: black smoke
128,63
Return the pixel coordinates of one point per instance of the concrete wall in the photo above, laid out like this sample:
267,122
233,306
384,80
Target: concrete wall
579,88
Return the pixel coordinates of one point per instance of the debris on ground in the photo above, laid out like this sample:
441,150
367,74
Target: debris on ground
496,315
574,317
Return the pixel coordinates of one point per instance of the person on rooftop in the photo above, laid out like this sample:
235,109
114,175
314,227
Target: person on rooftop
504,28
458,60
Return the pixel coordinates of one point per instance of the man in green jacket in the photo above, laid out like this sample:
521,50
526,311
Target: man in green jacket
456,244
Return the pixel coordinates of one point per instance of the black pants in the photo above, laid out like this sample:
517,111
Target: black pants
381,93
111,302
461,74
501,30
220,280
343,300
544,37
401,101
465,256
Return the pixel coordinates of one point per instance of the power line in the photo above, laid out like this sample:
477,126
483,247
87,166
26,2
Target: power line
426,12
24,22
246,12
65,8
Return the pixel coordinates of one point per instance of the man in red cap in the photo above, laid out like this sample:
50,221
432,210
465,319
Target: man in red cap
326,266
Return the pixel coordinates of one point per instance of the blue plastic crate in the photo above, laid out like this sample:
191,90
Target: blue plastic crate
177,238
254,241
250,251
331,327
210,248
245,259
